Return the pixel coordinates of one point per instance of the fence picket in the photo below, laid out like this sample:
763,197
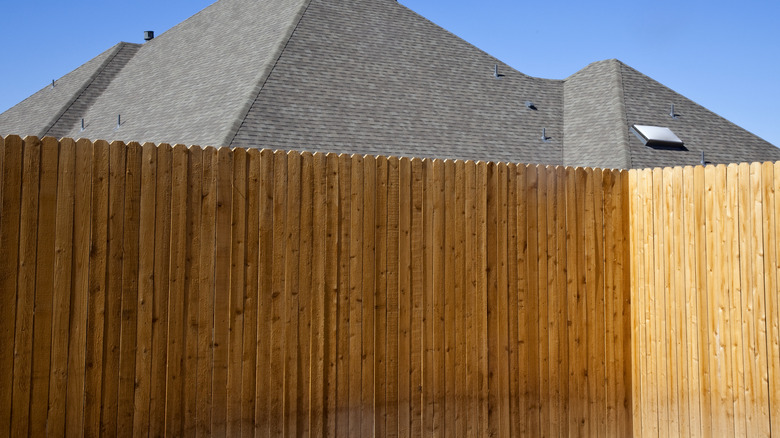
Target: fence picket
153,290
129,290
63,277
44,285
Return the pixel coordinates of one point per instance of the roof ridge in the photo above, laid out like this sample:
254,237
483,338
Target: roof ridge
87,84
262,77
622,111
116,49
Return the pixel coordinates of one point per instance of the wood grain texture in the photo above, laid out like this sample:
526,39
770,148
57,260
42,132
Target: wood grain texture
12,150
63,278
44,283
212,291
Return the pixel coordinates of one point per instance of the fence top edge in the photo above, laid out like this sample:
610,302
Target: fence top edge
389,157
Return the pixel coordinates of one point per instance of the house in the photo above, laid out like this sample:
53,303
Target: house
370,77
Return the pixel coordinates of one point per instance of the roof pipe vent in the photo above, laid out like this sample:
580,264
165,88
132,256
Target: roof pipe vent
148,35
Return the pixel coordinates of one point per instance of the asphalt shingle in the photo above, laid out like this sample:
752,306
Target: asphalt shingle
367,77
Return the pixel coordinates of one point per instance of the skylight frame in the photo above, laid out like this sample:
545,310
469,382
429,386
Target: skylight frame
657,136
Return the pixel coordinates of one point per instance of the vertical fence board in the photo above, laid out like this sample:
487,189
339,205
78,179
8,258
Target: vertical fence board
97,289
143,357
174,416
12,151
739,252
318,319
623,270
44,293
206,293
291,289
773,299
393,235
343,314
528,329
25,290
472,370
646,276
635,299
684,345
612,304
677,417
235,294
691,322
417,282
416,290
356,297
438,242
265,292
380,318
276,419
562,288
757,347
430,403
482,291
514,275
700,248
761,379
493,353
368,408
63,271
250,295
572,298
305,296
192,288
544,293
501,291
404,300
113,296
162,251
519,296
129,290
332,292
461,396
74,413
592,278
448,299
221,330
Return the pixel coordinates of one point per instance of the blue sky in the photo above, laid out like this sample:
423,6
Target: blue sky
724,55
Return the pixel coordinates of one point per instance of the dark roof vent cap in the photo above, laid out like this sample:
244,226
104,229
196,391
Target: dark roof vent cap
148,35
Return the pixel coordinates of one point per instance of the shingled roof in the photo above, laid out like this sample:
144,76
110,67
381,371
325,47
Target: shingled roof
368,77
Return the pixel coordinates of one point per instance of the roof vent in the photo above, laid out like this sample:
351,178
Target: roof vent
673,114
656,136
545,138
496,74
148,35
530,105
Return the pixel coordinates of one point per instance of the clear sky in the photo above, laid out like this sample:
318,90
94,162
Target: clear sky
724,55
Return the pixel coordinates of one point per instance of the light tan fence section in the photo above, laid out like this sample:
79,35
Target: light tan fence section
705,303
184,291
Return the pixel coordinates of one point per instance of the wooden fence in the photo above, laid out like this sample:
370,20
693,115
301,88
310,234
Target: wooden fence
171,290
705,305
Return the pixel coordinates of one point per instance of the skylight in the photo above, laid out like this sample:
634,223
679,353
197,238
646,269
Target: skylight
656,136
